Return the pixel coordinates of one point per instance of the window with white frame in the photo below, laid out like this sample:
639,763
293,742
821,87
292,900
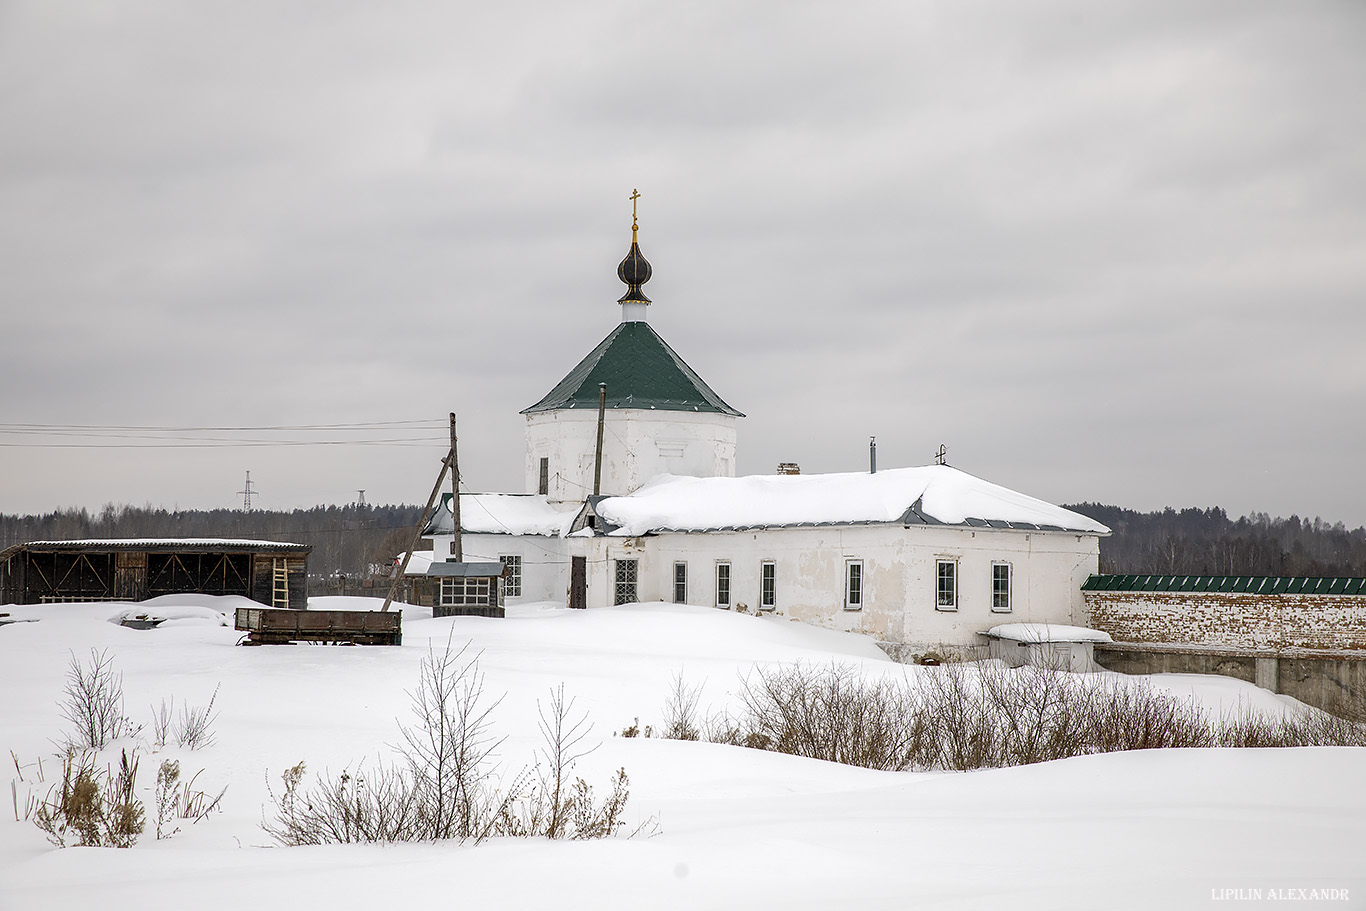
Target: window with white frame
1000,587
680,583
853,584
625,581
468,591
946,585
723,584
768,585
512,575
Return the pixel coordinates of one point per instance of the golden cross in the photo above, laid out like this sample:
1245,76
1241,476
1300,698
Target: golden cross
635,194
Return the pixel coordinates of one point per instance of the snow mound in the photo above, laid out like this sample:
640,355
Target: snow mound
1047,632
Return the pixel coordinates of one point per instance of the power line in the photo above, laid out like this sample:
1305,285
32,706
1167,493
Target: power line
207,443
424,424
158,436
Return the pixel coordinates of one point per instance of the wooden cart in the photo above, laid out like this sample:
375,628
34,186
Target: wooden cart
275,626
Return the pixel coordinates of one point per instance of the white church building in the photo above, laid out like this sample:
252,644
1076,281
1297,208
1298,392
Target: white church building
919,557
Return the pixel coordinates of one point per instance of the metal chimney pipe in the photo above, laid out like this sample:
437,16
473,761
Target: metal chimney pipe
872,455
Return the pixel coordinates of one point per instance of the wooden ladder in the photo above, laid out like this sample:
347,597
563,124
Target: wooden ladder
280,570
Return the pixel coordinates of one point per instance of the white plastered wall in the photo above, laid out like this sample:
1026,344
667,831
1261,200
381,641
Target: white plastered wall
638,444
899,575
545,564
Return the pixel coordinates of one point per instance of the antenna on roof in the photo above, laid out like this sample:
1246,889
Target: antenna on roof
247,493
942,456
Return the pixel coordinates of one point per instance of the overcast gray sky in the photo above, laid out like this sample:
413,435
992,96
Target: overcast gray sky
1108,252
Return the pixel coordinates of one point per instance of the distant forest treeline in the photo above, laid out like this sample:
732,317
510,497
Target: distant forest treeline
349,539
1208,542
345,539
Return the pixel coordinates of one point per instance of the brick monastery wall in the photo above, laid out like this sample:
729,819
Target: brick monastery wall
1230,620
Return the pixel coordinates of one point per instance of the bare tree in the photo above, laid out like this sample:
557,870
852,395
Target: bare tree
93,703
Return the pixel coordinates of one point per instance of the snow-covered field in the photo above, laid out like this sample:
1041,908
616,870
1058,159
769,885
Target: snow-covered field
736,828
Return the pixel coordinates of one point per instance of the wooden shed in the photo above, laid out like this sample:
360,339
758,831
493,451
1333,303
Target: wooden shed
41,572
468,589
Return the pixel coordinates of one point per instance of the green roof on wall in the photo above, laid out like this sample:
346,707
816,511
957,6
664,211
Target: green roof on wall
1261,585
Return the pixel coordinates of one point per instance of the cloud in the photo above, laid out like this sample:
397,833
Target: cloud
1089,247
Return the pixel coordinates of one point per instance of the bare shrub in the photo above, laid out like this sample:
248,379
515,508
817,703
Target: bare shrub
93,703
1129,714
448,750
30,803
93,807
1307,727
722,727
547,803
443,786
162,719
562,738
176,801
378,804
195,727
960,717
587,819
830,713
680,710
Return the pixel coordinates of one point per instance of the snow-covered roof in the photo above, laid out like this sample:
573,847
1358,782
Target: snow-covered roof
1046,632
417,563
929,495
452,568
503,514
111,544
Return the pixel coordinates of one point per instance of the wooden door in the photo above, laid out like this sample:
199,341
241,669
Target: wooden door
130,576
578,582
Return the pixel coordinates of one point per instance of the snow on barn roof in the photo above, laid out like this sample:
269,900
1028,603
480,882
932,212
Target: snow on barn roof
929,495
503,514
112,544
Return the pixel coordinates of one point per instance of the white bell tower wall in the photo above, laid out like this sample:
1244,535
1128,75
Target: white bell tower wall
637,445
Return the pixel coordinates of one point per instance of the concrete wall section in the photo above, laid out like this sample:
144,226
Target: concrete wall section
1136,660
1231,620
1334,682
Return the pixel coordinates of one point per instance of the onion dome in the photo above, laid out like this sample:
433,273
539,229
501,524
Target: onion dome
634,270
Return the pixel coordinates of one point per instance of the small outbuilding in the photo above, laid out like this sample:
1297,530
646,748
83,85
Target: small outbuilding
42,572
468,589
1046,645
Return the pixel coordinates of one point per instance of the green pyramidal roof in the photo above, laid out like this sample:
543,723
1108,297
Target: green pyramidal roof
640,370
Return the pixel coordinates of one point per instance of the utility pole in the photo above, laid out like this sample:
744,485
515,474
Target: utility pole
597,461
458,550
446,464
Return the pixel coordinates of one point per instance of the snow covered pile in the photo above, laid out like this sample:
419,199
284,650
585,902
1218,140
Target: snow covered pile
738,828
1047,632
940,493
